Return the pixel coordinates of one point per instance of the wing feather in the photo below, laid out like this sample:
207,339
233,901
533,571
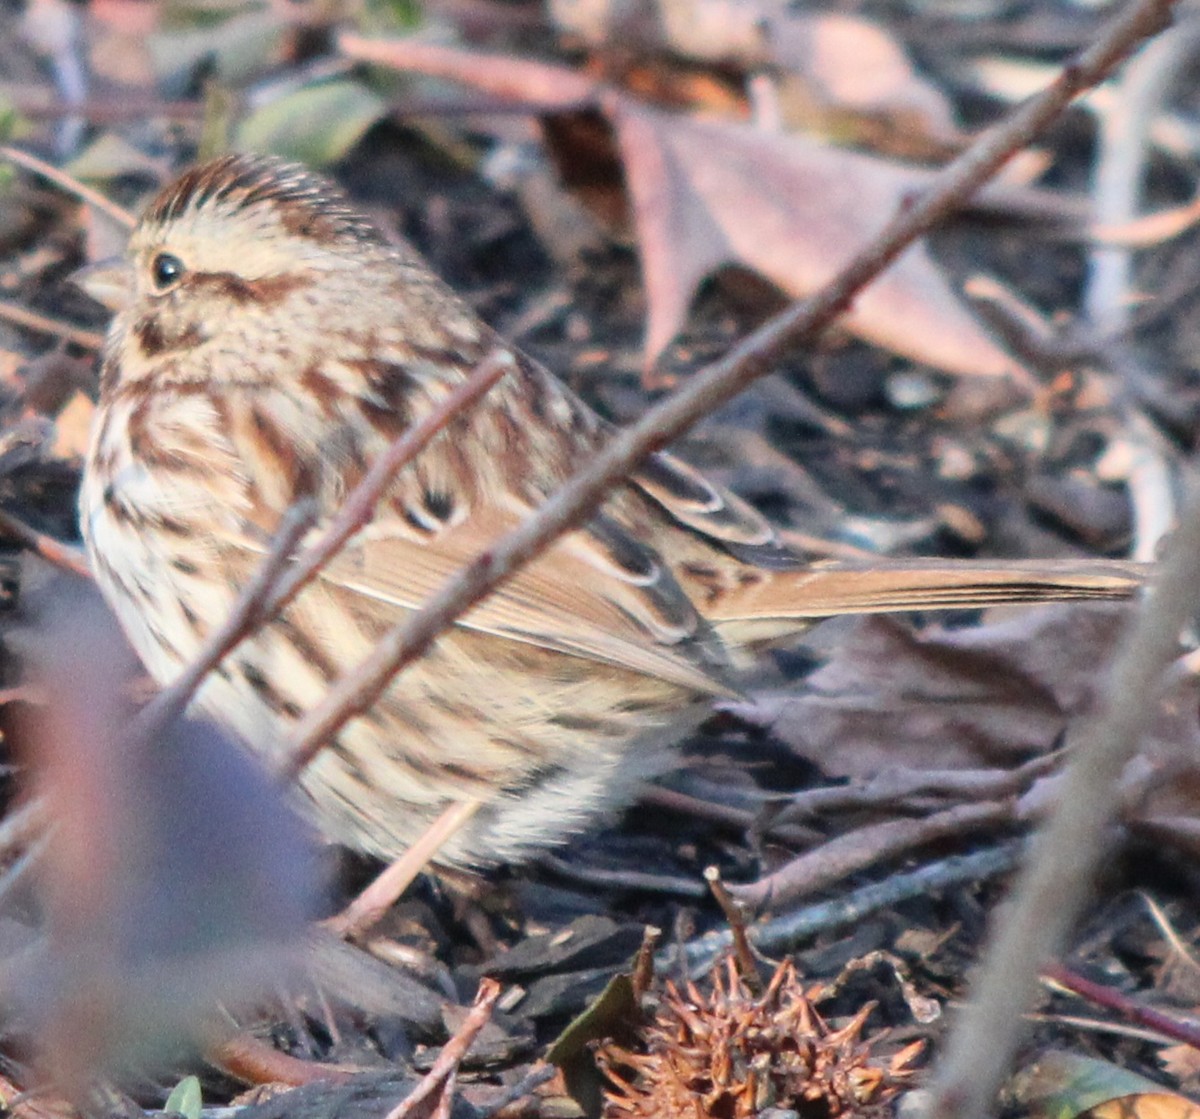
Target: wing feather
561,601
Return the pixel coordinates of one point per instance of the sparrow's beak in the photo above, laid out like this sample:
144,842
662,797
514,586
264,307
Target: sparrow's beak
108,281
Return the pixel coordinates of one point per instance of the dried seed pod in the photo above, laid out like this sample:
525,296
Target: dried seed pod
732,1054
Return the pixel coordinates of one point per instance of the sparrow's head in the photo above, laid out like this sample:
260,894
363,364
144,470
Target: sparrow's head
242,242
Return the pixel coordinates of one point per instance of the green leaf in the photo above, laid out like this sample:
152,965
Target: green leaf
185,1099
109,156
1064,1085
238,48
316,125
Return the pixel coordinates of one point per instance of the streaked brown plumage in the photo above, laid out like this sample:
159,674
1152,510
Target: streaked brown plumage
269,343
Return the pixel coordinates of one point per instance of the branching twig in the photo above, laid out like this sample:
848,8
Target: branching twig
381,893
855,850
782,934
276,582
709,389
902,787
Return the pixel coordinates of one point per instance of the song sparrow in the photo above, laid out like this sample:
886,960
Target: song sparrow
269,341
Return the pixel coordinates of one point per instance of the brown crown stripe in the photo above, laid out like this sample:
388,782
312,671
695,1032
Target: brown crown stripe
307,205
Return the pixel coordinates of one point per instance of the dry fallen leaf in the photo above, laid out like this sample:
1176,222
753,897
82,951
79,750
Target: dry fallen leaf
707,194
72,428
854,68
837,71
946,699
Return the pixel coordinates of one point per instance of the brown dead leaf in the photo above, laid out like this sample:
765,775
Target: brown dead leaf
890,700
852,68
945,699
72,427
708,194
838,71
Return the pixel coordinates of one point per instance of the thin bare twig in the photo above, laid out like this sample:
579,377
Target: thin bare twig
277,580
43,324
844,855
1122,162
254,1061
736,919
51,550
526,1086
641,975
110,110
448,1060
1165,1025
676,885
68,183
709,389
381,893
782,934
903,786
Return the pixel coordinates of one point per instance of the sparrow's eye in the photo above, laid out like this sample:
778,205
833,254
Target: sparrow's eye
166,270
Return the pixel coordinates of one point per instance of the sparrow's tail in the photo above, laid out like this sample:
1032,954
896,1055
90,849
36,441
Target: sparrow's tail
769,604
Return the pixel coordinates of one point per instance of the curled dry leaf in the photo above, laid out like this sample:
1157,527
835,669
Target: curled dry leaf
852,65
707,194
947,699
835,71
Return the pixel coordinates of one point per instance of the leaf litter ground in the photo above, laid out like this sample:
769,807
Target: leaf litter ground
854,741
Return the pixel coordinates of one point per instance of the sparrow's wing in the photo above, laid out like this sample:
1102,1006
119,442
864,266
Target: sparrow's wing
595,594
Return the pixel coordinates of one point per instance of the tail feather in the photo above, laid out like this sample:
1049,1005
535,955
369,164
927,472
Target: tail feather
895,586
